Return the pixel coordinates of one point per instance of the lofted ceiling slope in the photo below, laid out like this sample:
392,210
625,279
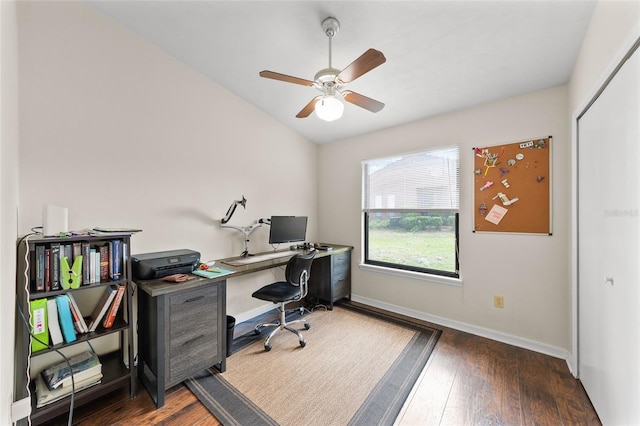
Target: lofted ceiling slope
441,56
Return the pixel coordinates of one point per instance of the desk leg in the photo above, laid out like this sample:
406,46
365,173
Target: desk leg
151,334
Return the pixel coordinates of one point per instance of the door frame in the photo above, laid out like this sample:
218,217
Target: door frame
629,48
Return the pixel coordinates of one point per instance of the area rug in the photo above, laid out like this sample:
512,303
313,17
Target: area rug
357,368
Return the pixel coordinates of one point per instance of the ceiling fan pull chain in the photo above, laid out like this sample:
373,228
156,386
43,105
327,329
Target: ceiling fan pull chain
330,38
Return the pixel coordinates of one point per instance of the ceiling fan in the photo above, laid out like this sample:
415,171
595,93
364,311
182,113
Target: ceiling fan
331,82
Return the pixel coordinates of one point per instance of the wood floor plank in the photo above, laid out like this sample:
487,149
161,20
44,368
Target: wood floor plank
573,404
503,385
468,397
428,399
539,406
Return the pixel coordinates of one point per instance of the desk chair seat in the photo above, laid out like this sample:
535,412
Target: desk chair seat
293,289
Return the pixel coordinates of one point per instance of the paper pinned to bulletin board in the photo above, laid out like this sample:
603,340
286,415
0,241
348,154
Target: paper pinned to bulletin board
512,187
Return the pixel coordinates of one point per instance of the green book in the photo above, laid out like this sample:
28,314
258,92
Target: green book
38,323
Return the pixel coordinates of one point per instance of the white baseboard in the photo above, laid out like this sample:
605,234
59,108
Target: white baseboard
246,316
520,342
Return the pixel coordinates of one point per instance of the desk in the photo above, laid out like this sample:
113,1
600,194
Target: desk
182,326
330,278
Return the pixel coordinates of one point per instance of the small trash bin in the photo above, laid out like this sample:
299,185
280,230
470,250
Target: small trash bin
231,323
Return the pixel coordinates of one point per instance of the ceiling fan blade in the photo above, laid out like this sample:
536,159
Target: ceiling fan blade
362,101
365,63
286,78
308,108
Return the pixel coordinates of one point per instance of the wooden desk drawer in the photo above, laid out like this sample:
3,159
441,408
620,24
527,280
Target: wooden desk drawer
181,332
192,310
196,300
341,263
188,357
191,334
341,287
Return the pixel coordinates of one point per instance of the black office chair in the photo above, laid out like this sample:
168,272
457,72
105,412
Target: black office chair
292,290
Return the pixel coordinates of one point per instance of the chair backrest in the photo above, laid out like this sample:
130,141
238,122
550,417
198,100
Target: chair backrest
298,271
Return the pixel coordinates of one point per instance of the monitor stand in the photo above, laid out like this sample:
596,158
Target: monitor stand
246,230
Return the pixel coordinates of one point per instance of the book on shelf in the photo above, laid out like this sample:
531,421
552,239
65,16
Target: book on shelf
52,322
110,316
86,253
77,250
38,324
92,266
78,320
54,266
66,250
47,270
84,365
66,319
104,263
102,306
40,272
93,373
47,396
125,254
115,260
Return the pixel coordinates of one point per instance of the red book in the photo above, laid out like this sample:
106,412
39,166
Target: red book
110,316
47,270
102,307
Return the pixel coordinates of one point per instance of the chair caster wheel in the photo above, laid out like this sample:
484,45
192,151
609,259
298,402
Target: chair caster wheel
303,343
256,331
267,348
307,326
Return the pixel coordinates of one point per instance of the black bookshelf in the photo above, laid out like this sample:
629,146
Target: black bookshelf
118,367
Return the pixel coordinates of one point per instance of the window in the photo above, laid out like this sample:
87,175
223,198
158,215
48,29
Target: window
410,208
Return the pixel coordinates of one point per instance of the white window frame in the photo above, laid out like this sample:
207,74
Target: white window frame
450,204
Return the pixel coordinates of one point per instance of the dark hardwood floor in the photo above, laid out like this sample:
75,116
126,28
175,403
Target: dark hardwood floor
469,380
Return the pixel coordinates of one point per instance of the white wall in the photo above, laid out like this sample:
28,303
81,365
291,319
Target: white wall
530,271
8,197
614,26
124,135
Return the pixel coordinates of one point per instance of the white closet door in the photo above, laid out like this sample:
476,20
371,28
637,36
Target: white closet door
608,244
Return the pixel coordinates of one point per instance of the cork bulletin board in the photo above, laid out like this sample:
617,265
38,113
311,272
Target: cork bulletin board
512,187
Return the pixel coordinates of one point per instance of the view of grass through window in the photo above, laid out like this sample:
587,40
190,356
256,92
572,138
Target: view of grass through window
425,241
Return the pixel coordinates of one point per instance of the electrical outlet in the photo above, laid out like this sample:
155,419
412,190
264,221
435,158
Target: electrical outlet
498,301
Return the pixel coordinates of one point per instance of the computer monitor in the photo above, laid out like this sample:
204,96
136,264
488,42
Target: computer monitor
287,229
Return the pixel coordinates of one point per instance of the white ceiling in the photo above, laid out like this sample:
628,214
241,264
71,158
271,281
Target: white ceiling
441,55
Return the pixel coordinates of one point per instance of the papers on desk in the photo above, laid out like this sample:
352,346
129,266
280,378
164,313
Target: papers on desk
214,272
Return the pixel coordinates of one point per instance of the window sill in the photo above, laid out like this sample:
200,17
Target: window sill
456,282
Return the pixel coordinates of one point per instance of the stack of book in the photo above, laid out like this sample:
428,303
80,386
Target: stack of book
92,263
58,319
55,382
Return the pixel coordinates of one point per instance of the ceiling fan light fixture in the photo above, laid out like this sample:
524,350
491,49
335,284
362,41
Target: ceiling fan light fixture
329,108
331,81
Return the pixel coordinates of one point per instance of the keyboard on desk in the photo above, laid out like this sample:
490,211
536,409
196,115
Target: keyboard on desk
260,258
